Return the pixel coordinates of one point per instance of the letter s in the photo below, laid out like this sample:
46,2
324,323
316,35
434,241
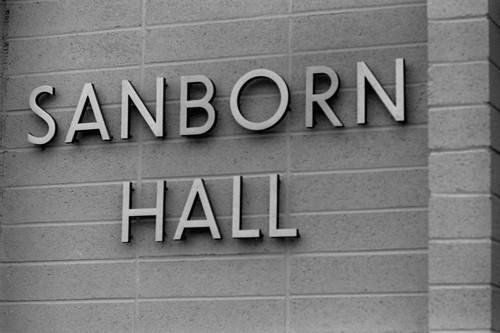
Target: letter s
51,132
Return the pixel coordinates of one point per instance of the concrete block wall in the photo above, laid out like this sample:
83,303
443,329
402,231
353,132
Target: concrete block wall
358,195
464,270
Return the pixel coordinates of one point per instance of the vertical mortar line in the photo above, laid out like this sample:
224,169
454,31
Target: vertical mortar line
288,162
139,161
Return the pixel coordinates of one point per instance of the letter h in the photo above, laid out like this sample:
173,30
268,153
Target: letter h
128,212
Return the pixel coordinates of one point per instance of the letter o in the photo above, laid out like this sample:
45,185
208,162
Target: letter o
282,108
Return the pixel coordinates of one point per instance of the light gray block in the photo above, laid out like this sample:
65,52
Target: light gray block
74,52
213,316
355,29
59,17
199,278
359,314
214,40
68,281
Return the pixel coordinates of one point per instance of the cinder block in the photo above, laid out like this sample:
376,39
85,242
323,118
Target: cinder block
460,217
344,106
358,274
214,40
58,17
73,164
301,6
195,157
361,231
468,263
358,190
359,150
68,281
200,242
460,309
172,11
494,81
213,316
67,242
495,310
363,28
458,40
403,314
458,84
443,9
494,41
344,63
17,126
459,172
74,317
459,128
223,73
68,87
197,278
52,204
74,52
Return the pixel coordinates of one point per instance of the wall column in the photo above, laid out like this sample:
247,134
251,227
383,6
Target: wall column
464,165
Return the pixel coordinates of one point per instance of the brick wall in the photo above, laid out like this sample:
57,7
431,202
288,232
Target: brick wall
358,195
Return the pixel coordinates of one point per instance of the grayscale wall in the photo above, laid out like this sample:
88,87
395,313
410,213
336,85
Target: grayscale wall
398,222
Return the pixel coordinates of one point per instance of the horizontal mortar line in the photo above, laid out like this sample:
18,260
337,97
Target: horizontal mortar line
494,150
356,129
73,34
463,330
359,170
460,195
221,176
360,48
359,295
68,146
460,19
494,22
57,224
451,106
73,71
359,128
211,298
452,241
457,62
333,130
257,56
458,107
439,151
130,260
68,185
494,64
363,211
380,252
204,257
213,137
464,150
370,209
69,301
286,15
458,286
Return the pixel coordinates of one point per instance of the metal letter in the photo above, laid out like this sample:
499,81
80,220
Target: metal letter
311,97
129,93
282,108
51,132
274,232
88,97
397,110
237,232
127,212
198,189
203,103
